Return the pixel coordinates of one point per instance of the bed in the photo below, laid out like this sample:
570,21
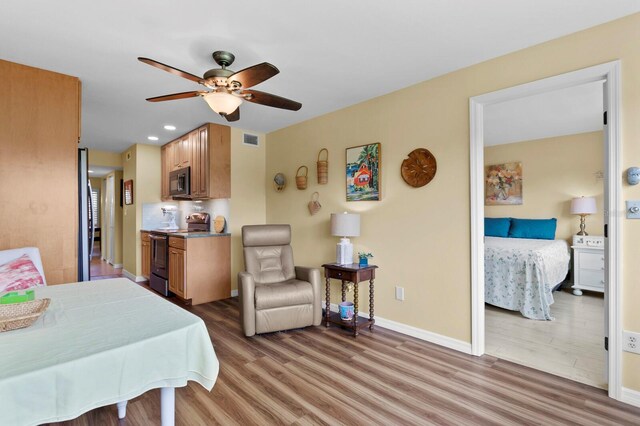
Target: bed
520,274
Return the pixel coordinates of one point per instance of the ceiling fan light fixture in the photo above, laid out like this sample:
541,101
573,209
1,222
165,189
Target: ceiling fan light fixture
222,102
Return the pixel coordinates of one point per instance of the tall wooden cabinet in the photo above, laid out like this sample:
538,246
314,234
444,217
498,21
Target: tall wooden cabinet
207,150
40,122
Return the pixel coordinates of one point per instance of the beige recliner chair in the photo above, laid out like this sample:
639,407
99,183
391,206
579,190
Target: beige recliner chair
274,294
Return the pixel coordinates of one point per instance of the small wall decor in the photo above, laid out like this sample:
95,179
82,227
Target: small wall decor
128,192
419,169
503,184
363,172
323,167
314,205
279,182
301,180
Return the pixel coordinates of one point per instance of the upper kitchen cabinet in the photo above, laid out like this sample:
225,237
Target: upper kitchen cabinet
207,150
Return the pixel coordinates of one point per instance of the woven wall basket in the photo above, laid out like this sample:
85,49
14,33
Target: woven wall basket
323,167
301,179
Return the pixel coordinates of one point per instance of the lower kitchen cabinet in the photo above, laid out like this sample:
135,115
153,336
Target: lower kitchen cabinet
200,268
146,254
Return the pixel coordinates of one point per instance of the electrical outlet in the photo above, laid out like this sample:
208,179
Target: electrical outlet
631,342
399,293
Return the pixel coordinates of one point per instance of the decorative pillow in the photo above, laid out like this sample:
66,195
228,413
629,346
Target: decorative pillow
19,274
497,226
540,229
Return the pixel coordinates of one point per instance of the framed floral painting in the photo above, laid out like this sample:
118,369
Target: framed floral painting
503,184
363,173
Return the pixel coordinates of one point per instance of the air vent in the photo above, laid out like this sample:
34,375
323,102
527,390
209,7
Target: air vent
250,139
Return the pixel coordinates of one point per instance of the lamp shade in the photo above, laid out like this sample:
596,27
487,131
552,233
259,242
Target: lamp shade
222,102
345,224
583,205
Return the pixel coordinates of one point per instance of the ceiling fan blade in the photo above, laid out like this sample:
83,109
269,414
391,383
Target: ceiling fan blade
172,70
234,116
182,95
256,74
268,99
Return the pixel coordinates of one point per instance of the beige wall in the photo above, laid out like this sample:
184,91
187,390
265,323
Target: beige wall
554,171
143,166
248,198
105,158
421,237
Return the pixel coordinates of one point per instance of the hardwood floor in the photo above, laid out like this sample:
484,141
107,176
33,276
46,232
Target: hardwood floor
325,376
571,346
101,269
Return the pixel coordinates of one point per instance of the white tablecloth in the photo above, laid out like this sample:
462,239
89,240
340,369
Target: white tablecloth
97,344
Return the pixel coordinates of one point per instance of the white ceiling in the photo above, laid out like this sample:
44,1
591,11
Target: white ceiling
100,171
331,53
559,113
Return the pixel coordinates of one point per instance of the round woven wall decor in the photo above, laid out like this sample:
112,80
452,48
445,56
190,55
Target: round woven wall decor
420,168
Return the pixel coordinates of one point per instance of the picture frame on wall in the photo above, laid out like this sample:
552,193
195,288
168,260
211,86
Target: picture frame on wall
128,192
363,172
503,184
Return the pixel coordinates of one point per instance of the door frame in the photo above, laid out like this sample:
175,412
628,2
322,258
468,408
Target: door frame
613,212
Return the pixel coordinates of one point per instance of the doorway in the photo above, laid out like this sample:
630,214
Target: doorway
609,74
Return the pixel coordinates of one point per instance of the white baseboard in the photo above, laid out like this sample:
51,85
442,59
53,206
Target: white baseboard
630,396
418,333
234,293
133,277
116,265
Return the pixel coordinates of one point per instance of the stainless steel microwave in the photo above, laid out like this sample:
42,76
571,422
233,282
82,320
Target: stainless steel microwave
179,183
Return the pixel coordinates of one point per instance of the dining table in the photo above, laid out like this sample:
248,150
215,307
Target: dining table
101,343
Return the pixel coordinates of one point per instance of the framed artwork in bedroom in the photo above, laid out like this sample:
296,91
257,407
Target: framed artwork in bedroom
503,184
363,172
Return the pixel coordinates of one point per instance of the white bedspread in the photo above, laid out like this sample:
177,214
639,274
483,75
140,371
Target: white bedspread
99,343
520,274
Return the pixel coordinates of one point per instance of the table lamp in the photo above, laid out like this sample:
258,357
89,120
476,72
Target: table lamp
345,225
583,206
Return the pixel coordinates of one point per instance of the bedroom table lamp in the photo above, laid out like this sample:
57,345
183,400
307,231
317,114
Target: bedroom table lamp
583,206
345,225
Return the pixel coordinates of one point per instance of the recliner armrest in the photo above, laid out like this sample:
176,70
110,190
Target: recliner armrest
312,275
246,294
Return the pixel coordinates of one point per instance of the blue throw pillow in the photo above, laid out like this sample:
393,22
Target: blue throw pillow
496,226
541,229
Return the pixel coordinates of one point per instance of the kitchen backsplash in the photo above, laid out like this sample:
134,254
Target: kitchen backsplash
152,217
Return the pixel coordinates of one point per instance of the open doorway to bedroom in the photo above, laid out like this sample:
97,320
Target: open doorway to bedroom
544,289
606,76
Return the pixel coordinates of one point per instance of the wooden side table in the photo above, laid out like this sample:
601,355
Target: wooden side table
349,273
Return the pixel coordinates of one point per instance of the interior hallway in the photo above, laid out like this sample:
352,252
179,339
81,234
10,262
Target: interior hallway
101,269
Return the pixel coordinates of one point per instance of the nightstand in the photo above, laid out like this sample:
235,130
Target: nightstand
588,263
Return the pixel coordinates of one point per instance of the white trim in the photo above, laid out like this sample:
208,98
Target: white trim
234,293
630,396
418,333
133,277
116,265
611,73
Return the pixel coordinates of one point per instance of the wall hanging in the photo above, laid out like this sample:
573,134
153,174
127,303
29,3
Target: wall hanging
323,167
301,180
128,192
363,172
419,169
503,184
314,205
279,182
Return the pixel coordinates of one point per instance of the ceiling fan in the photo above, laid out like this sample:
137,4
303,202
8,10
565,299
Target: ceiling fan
226,88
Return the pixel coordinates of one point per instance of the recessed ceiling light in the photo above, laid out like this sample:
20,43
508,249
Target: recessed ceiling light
169,127
90,171
152,138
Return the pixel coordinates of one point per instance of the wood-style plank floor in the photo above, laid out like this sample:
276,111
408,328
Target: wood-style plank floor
326,377
571,346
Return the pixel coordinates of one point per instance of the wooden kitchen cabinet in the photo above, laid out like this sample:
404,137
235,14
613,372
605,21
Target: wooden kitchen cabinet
207,150
200,268
146,254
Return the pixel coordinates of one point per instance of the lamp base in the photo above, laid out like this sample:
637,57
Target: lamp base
344,252
582,225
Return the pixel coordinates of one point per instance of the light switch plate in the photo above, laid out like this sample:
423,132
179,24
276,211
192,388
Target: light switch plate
633,209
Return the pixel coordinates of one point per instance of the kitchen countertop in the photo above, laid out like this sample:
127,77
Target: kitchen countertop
191,234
